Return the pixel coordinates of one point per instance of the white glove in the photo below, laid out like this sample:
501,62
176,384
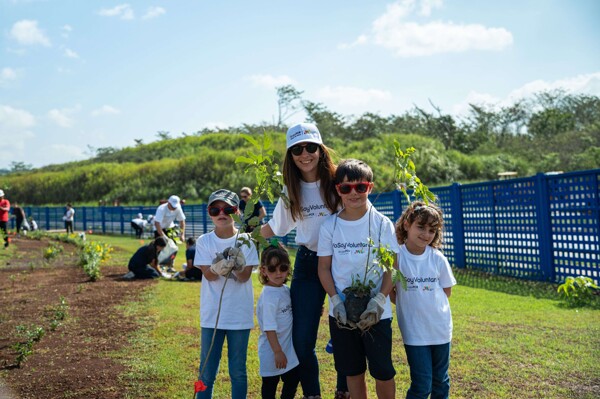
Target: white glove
237,256
372,313
339,311
222,267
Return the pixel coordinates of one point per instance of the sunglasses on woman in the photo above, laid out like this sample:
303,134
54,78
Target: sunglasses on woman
360,188
311,148
227,210
282,268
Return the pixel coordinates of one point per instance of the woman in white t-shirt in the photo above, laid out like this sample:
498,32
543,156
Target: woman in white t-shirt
68,218
227,292
423,308
308,173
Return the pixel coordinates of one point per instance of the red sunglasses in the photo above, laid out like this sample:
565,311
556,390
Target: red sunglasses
360,188
227,210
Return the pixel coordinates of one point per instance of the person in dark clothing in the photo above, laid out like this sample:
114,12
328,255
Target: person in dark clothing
19,216
189,271
259,210
144,263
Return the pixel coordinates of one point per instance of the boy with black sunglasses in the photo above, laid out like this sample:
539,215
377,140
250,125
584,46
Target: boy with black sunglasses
346,243
227,269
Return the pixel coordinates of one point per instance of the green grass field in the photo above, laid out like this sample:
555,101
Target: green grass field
512,339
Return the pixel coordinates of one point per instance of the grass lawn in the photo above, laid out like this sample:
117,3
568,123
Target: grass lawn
512,339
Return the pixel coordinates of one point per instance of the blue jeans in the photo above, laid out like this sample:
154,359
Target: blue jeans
237,348
308,297
428,371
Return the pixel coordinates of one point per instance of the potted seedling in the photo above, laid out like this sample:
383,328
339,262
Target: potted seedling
358,294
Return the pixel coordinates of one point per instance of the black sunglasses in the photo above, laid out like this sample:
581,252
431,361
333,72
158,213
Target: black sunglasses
282,268
311,148
360,188
227,210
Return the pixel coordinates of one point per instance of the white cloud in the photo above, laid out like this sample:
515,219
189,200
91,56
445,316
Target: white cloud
362,39
123,11
13,120
66,31
70,53
353,96
153,12
270,81
394,31
63,117
580,84
14,127
105,110
6,75
26,32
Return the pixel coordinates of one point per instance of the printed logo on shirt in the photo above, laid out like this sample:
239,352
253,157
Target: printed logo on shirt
345,248
312,210
427,288
286,309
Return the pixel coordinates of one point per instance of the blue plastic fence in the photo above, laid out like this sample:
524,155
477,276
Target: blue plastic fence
544,227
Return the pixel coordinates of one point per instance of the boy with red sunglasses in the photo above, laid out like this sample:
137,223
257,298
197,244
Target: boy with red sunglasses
346,243
227,269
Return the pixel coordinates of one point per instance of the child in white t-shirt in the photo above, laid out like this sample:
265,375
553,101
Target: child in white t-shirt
423,308
226,293
278,359
346,241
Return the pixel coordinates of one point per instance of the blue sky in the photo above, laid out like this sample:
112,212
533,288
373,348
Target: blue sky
75,74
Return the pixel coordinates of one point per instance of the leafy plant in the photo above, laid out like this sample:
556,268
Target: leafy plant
405,175
91,254
59,313
53,251
25,348
577,291
260,160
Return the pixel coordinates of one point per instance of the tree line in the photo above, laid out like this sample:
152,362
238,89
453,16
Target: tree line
551,131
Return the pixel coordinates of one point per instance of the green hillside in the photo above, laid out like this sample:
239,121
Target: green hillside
551,132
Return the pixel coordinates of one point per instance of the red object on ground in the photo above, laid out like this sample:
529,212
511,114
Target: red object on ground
199,386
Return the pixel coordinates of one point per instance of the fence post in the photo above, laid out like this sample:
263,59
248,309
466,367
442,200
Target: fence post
458,228
47,218
397,203
544,227
103,219
84,215
122,210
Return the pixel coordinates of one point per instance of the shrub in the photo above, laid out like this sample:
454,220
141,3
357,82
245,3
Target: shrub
91,254
577,291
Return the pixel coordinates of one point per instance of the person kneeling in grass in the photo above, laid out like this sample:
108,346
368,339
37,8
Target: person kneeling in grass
144,263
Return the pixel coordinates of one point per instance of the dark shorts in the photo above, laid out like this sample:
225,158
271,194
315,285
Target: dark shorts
194,273
353,348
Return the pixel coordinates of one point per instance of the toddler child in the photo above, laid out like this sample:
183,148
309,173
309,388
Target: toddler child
278,359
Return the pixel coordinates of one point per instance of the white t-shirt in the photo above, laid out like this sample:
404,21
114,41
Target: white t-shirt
165,217
238,299
347,242
69,215
314,211
423,309
140,222
274,313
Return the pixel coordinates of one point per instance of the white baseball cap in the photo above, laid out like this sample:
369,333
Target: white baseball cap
1,193
174,201
303,133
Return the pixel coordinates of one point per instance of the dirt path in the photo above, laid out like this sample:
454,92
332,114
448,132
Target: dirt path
72,360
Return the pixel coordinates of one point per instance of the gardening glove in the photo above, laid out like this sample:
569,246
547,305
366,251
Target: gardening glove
237,256
339,311
372,314
222,267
